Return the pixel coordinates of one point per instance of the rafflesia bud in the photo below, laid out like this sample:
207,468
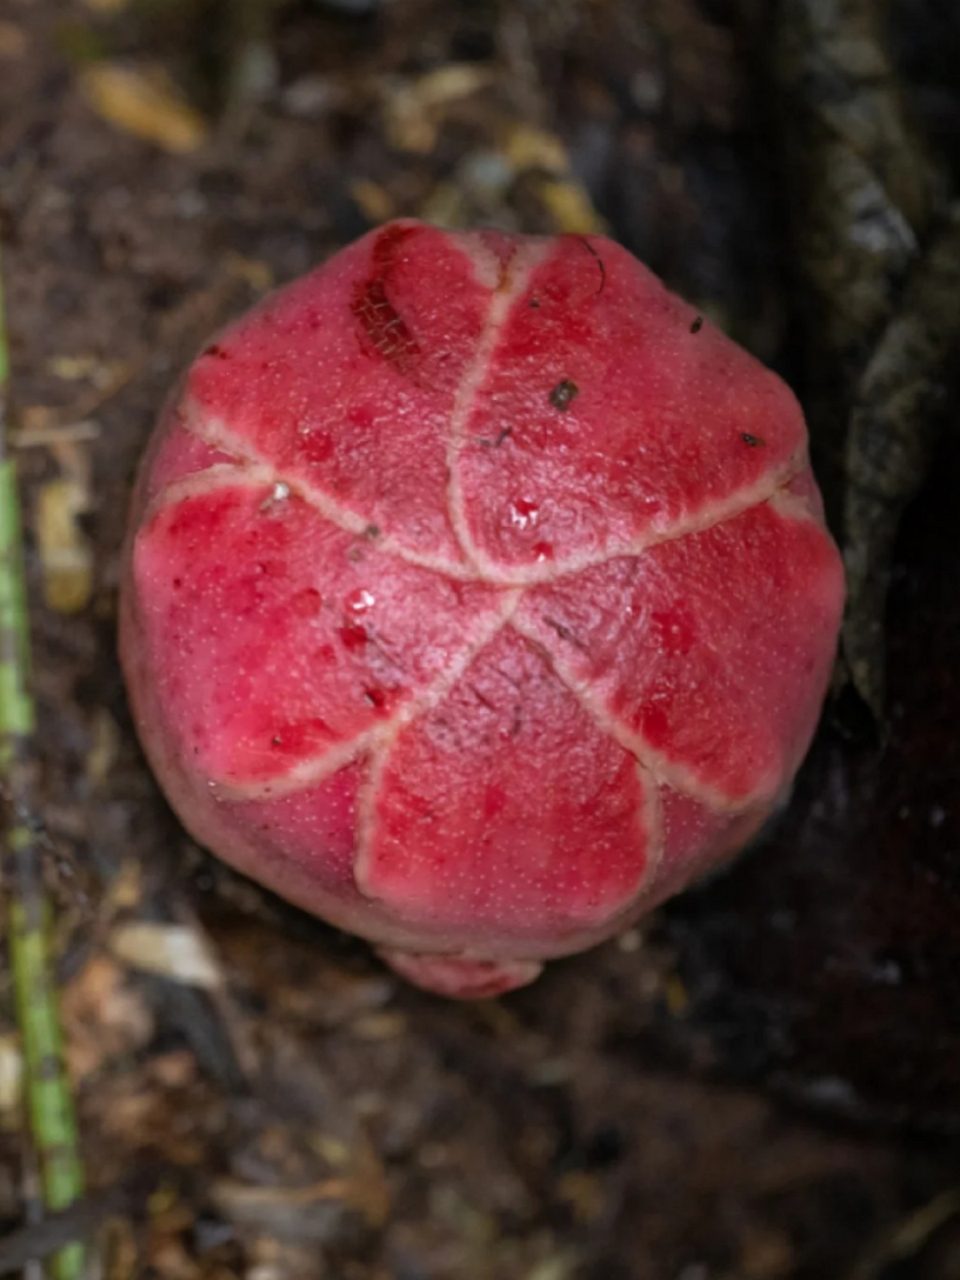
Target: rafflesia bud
477,597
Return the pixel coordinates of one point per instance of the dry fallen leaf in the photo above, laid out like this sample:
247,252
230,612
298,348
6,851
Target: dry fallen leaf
173,951
13,40
104,747
252,271
450,83
39,428
72,368
145,104
525,147
536,151
374,202
103,1016
106,375
138,1109
124,891
414,108
384,1025
65,553
570,207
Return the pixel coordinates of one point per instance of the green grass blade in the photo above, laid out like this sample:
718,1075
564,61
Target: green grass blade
50,1108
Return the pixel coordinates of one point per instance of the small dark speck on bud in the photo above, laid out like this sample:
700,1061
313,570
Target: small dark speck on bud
503,434
697,325
753,441
563,393
372,531
534,302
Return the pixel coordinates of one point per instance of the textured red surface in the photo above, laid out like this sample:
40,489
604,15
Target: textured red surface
478,597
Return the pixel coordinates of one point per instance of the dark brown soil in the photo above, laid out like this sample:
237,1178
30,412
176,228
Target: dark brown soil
763,1083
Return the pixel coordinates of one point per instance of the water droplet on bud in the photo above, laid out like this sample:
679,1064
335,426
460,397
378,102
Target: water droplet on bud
361,600
524,513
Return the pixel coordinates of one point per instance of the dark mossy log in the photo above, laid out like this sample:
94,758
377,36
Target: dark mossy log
826,963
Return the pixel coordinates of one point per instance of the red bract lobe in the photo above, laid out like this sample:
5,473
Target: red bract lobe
477,597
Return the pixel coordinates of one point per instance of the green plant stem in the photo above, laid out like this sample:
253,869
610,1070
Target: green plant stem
50,1109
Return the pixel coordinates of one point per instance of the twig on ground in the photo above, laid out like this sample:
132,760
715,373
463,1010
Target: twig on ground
908,1237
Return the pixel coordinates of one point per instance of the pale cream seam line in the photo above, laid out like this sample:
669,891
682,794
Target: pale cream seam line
218,435
659,769
382,750
315,769
519,270
484,571
259,473
321,766
736,504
